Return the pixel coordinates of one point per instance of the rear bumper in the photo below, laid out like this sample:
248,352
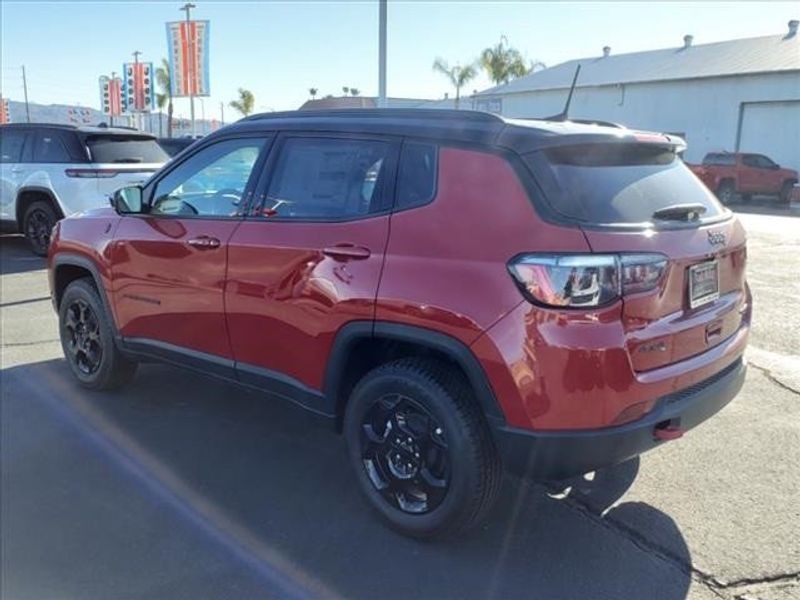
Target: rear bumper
562,454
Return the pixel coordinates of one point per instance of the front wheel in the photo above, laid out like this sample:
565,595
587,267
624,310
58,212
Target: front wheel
421,449
88,340
37,224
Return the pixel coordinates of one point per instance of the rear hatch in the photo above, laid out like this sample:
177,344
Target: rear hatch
122,159
639,198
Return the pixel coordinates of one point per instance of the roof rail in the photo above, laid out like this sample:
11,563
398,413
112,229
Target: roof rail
376,113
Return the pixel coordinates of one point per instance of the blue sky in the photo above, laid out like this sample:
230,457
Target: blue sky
280,49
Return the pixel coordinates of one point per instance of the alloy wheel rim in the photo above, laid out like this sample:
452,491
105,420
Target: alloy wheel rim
39,228
405,454
83,337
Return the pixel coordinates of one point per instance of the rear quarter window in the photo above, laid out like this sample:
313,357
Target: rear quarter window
611,184
11,143
416,179
125,149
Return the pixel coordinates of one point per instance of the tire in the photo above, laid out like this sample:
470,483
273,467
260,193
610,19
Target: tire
441,474
38,222
726,192
785,196
88,339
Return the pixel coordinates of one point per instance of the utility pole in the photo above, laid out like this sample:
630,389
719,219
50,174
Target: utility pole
111,93
382,54
221,114
190,51
25,88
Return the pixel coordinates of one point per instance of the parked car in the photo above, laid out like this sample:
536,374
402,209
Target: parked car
173,146
456,293
51,171
730,174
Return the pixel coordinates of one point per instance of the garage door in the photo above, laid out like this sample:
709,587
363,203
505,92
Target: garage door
772,128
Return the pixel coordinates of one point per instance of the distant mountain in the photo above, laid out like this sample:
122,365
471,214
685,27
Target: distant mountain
81,115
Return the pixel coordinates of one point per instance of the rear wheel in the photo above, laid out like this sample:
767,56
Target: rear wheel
88,340
785,196
38,222
421,449
726,192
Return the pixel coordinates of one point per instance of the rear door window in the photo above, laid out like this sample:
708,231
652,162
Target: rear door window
328,179
123,149
608,184
721,160
11,143
49,147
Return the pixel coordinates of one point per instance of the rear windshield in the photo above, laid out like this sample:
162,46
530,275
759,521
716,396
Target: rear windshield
619,183
726,160
125,149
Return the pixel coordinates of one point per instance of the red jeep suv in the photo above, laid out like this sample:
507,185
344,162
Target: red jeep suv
454,291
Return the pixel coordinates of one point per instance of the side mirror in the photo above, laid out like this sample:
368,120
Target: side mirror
128,200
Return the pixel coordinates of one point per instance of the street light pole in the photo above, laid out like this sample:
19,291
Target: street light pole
382,54
25,88
190,51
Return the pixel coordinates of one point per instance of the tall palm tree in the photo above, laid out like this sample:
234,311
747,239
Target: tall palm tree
355,91
313,93
503,63
346,90
165,85
245,102
457,76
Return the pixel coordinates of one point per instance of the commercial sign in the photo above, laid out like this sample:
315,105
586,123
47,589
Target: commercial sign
187,44
5,116
138,91
111,96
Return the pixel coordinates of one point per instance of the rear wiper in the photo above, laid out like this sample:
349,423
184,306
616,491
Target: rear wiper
680,212
127,160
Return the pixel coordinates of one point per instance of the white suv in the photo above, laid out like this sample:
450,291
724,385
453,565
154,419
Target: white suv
49,172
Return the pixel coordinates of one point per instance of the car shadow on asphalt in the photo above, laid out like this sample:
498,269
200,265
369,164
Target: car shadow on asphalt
277,487
16,256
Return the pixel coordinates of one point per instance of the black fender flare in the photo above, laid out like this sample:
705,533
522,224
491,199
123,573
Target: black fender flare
354,332
38,190
77,260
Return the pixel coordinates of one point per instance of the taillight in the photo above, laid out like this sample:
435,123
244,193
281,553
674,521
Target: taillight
579,280
91,173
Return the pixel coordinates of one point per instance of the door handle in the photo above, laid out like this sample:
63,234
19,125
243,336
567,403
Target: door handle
346,251
204,242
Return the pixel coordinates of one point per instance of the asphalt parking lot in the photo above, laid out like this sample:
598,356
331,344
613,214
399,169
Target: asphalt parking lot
185,487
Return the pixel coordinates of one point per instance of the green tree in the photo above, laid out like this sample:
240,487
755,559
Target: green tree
346,90
354,91
457,76
245,103
503,63
313,93
164,96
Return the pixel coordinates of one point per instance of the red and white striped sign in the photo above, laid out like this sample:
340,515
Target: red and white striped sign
111,96
187,42
5,117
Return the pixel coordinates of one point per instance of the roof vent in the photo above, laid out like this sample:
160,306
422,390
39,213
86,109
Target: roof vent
687,41
793,28
606,50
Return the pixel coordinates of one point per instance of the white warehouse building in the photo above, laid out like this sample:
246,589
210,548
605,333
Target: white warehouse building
739,95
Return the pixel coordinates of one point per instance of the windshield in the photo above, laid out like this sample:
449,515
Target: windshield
618,184
125,149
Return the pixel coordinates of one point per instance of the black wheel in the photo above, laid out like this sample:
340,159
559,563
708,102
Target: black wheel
726,192
421,449
785,196
37,224
88,341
